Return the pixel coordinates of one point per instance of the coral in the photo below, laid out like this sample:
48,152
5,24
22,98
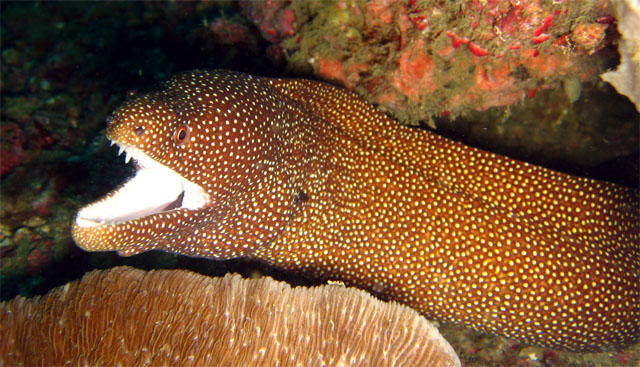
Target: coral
175,317
418,59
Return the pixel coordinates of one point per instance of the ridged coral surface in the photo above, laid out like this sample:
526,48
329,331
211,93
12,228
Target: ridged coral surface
129,317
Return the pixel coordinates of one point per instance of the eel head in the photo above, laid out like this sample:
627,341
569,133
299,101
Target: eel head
202,145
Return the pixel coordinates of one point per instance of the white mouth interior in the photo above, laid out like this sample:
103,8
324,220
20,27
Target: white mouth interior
153,189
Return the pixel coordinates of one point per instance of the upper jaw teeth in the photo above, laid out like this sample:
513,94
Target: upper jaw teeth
195,196
130,152
153,189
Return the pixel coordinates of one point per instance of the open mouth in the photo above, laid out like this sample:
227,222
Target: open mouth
153,189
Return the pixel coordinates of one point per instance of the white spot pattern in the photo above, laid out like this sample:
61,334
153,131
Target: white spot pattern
310,178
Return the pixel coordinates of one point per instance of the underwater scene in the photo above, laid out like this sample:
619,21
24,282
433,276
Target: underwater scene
411,182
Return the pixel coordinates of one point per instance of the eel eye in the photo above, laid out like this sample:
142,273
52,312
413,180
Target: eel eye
139,130
181,135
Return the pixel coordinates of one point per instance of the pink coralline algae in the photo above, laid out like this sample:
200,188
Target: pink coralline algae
420,58
274,19
229,32
11,152
38,259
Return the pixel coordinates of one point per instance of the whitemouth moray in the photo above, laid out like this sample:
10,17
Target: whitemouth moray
308,177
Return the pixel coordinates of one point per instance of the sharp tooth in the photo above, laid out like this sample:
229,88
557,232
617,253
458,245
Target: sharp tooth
127,157
120,150
111,143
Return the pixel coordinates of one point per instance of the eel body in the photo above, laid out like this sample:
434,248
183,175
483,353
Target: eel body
309,178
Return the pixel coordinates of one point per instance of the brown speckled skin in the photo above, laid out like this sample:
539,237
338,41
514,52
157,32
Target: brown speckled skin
307,177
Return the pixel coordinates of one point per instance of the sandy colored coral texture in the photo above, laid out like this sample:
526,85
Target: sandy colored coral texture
124,316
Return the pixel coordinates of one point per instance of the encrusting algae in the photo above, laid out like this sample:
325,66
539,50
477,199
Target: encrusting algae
308,177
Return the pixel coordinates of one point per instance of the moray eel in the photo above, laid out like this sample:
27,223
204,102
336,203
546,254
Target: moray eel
307,177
